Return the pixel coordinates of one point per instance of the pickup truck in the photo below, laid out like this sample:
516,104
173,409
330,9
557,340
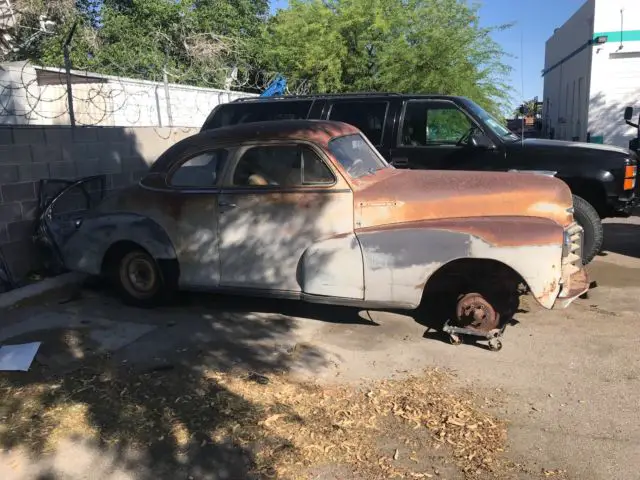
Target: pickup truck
634,143
439,132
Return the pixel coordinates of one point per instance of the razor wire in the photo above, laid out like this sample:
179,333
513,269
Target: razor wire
124,94
35,94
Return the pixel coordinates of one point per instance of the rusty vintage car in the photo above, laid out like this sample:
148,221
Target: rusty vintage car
310,210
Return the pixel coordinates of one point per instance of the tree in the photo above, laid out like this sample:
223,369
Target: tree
434,46
197,41
30,24
530,107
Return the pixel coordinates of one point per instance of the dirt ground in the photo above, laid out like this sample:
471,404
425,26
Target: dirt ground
566,383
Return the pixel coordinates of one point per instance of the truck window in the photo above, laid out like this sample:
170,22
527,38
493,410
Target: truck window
432,123
367,116
248,112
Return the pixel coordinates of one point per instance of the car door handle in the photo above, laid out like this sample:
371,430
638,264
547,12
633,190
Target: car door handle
400,162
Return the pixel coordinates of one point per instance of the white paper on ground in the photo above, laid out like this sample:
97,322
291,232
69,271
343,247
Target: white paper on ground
18,357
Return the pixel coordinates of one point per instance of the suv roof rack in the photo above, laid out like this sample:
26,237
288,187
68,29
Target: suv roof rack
316,95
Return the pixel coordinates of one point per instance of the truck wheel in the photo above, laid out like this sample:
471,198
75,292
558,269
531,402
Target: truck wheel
588,218
138,279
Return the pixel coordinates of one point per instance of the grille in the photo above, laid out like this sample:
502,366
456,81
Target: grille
572,248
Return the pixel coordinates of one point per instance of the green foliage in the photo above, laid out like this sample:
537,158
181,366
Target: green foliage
196,41
430,46
529,106
418,46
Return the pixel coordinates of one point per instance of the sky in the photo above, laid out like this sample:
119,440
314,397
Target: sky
534,22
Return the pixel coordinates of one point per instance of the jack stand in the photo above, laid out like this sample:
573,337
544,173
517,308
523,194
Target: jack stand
493,336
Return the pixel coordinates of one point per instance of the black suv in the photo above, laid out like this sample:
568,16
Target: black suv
444,132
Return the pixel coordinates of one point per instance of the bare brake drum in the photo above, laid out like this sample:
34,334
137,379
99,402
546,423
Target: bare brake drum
476,316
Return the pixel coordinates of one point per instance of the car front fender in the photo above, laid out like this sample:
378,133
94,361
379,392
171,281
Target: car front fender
400,259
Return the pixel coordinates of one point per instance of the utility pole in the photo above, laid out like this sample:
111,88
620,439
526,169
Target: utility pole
67,66
167,95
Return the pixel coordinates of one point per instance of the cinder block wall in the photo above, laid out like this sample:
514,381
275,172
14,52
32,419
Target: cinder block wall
29,154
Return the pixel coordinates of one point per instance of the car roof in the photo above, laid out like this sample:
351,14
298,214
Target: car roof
319,132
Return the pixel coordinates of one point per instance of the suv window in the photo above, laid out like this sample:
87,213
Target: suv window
200,171
429,123
236,113
367,116
281,165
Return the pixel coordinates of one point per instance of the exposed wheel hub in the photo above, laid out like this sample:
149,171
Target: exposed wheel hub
474,311
141,275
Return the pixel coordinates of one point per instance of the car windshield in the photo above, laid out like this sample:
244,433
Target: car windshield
496,127
356,155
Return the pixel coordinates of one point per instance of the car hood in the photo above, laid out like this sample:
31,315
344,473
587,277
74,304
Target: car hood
397,196
556,145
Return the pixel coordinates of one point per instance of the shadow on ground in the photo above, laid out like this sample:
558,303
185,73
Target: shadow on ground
622,238
198,394
153,407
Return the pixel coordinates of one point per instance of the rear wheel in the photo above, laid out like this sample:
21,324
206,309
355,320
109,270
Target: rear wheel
588,218
138,279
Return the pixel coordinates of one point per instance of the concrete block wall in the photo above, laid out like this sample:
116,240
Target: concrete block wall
31,153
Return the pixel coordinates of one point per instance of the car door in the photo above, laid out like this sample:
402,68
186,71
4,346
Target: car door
62,205
190,215
279,199
433,134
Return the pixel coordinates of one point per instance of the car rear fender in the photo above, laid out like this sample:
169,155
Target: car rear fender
400,259
86,248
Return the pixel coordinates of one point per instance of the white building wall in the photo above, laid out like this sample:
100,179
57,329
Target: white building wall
615,73
566,86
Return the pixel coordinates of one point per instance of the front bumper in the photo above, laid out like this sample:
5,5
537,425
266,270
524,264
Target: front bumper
624,207
574,278
573,285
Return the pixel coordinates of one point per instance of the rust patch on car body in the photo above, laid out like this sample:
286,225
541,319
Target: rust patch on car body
398,196
505,231
318,132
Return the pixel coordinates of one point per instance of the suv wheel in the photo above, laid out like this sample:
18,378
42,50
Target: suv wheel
588,218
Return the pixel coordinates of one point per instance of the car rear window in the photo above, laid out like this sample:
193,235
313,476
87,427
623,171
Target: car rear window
356,155
249,112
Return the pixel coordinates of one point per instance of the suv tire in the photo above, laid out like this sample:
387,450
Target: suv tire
589,220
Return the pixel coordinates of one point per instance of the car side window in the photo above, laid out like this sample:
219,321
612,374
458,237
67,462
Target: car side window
367,116
200,171
428,123
281,165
